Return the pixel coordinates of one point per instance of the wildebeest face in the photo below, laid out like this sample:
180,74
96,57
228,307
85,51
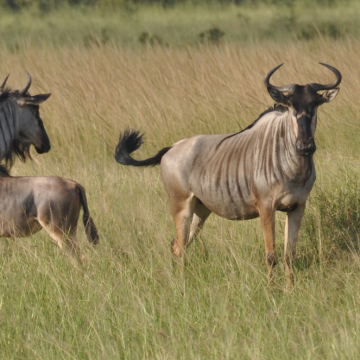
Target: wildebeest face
31,127
303,102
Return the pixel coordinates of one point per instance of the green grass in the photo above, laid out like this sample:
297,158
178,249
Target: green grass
178,26
126,301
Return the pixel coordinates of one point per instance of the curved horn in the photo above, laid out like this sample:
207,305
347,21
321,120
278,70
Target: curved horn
287,88
4,82
333,85
27,86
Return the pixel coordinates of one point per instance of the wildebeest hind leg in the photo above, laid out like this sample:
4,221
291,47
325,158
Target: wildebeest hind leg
70,228
201,213
183,212
62,235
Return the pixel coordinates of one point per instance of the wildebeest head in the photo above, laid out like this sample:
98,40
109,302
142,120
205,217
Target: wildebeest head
31,129
303,102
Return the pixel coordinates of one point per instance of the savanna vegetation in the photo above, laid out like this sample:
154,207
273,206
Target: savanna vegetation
126,301
134,25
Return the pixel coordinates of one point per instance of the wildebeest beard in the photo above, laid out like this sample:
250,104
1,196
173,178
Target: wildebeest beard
21,150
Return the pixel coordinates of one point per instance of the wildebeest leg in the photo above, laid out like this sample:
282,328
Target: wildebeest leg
201,213
71,243
70,228
62,234
61,237
292,226
183,211
55,232
267,217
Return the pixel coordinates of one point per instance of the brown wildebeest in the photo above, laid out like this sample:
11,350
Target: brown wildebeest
29,203
264,168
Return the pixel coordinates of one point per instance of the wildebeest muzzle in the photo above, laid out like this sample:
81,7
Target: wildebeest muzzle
305,148
45,145
305,143
45,141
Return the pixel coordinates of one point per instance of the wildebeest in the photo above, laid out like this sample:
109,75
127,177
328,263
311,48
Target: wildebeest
30,203
264,168
20,123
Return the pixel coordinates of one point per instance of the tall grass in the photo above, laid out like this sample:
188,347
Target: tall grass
126,302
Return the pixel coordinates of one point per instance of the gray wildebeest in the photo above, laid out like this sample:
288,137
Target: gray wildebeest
264,168
20,123
28,204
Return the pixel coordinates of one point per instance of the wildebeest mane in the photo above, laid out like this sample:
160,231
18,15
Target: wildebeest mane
276,107
5,94
17,149
22,151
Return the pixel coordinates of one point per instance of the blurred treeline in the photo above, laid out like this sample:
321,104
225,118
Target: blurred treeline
174,23
48,5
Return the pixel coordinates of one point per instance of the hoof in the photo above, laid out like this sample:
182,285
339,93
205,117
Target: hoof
271,258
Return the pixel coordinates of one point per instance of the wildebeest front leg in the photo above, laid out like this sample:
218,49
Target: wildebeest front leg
267,217
292,226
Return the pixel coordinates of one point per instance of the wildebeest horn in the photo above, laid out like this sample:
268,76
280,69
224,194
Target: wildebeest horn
24,90
287,88
4,82
333,85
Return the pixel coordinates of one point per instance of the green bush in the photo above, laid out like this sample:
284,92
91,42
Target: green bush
211,36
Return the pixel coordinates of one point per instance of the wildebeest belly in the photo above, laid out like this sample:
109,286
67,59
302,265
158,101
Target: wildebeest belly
13,228
17,213
229,198
16,219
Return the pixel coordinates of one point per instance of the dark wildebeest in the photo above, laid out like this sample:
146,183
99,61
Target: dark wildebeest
264,168
20,123
28,204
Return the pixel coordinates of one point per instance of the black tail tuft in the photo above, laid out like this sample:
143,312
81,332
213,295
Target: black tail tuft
128,143
90,229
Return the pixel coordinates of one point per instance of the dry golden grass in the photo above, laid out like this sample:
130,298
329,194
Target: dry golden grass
126,302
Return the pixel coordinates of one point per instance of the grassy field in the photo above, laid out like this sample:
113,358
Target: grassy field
125,301
178,26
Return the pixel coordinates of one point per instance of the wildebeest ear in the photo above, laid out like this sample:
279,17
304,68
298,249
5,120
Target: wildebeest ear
277,96
33,100
330,95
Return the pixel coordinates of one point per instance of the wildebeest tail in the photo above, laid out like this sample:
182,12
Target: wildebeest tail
130,141
89,225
